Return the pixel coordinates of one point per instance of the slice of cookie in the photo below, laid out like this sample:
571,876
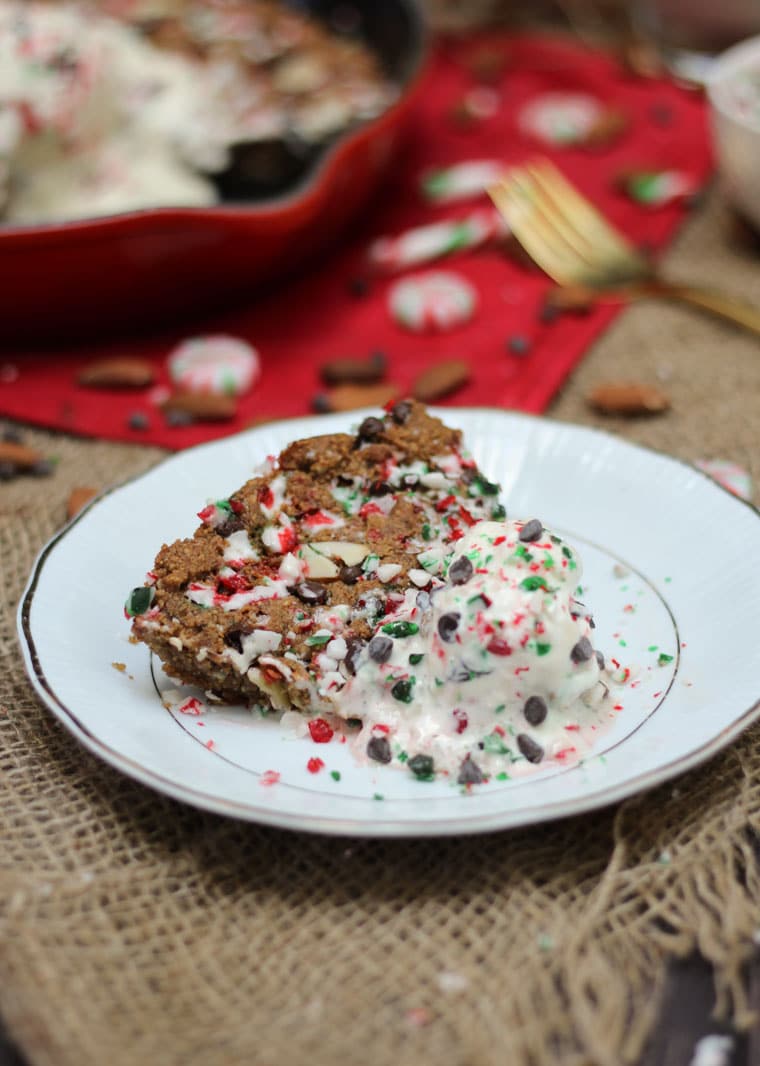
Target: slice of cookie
284,582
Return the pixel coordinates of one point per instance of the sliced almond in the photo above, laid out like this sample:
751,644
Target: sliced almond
317,566
351,397
118,374
18,454
440,380
628,398
355,371
204,406
347,551
80,495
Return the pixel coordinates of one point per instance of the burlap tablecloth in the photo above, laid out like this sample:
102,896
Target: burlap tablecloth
137,930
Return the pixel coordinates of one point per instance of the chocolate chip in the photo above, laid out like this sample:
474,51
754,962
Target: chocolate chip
535,710
344,481
311,592
600,659
230,525
401,412
12,435
461,571
379,749
548,313
470,773
380,648
355,647
422,766
349,575
320,402
380,488
518,344
533,752
370,429
138,420
582,651
233,638
358,287
531,531
448,625
42,468
7,470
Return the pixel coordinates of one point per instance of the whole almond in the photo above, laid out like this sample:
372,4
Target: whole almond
440,380
355,371
203,406
351,397
117,374
628,398
18,454
80,495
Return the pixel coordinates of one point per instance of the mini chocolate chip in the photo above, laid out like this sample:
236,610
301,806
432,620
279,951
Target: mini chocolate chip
42,468
349,575
12,435
531,531
380,648
344,481
379,749
582,651
548,313
401,412
233,638
355,647
600,659
138,420
461,571
518,344
380,488
370,429
591,622
311,592
230,525
535,710
320,402
358,287
7,470
448,625
533,752
379,360
421,765
470,773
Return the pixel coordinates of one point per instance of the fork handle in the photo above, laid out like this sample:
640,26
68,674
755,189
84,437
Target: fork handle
726,307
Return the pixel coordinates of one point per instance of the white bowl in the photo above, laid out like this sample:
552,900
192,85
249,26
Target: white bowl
736,130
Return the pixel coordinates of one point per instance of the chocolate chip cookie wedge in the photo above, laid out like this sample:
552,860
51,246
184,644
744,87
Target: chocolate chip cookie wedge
284,582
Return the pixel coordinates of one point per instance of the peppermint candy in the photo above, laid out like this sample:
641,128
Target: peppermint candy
559,118
433,302
425,244
215,364
462,181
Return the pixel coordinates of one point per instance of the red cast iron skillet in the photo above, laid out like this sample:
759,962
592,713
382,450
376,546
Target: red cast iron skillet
136,270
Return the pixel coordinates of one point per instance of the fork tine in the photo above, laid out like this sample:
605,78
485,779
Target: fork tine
559,260
597,234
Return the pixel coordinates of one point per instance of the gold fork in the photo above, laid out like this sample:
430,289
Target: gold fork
569,239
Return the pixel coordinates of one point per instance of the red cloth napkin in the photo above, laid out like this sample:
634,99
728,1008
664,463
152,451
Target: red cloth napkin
316,318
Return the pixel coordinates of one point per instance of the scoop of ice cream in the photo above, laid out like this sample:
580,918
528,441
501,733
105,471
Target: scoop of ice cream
487,671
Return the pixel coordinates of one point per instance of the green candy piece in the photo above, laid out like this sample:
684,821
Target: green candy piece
423,767
318,640
401,629
663,659
415,660
403,690
543,649
494,745
139,600
534,583
499,512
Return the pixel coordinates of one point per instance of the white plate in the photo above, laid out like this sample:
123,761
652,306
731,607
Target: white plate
693,593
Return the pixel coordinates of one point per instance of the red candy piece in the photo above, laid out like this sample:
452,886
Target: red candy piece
321,733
